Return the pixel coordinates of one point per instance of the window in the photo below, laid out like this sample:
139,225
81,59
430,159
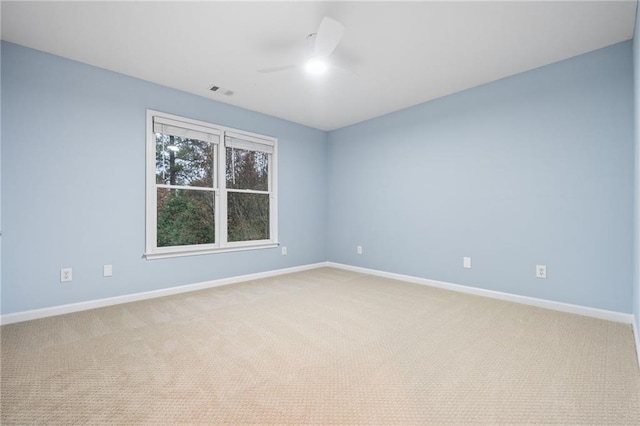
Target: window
209,188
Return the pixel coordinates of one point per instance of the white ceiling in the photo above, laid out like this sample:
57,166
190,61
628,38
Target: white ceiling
404,53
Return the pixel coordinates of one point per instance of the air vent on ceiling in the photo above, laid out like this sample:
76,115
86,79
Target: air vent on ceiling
221,90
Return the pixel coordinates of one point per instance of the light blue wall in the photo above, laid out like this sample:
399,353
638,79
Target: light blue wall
636,245
533,169
73,181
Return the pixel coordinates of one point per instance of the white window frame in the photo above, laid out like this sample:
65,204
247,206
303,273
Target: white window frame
152,250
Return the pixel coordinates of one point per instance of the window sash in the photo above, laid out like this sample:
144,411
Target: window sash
246,191
195,188
214,167
209,195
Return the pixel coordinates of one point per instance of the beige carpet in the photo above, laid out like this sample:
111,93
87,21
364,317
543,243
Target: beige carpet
320,347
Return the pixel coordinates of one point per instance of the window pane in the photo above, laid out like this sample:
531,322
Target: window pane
247,216
185,217
247,169
182,161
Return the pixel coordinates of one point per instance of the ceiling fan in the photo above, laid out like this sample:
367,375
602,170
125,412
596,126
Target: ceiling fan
320,45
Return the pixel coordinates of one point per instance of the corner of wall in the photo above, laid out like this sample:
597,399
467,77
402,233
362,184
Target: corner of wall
325,240
636,201
0,168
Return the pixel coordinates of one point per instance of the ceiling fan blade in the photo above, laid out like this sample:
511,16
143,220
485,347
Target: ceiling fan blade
276,69
328,36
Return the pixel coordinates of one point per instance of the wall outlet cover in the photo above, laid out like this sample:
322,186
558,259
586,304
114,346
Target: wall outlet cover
66,275
541,271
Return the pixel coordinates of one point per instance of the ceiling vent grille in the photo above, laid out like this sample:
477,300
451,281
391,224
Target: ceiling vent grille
221,90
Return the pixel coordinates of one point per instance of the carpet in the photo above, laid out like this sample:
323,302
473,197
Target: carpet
325,346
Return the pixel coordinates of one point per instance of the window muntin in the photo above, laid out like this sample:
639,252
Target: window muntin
203,197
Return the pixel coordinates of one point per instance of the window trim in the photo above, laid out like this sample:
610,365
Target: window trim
152,251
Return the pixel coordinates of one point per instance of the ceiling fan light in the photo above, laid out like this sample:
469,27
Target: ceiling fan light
316,66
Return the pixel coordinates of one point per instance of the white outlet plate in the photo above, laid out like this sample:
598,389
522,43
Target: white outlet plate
541,271
66,275
107,270
284,251
359,249
466,262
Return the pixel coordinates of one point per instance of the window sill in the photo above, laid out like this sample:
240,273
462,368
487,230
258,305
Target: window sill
198,252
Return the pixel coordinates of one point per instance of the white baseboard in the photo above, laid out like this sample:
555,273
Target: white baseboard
542,303
100,303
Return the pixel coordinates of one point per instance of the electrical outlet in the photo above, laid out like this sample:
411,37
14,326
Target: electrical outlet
66,275
541,271
466,262
284,251
359,249
107,270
